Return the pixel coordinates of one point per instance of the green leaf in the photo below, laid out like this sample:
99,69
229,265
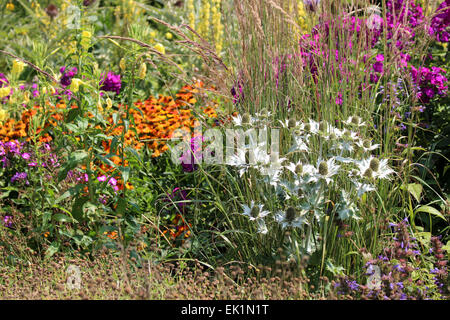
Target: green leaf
416,190
52,249
77,208
125,174
59,217
121,206
430,210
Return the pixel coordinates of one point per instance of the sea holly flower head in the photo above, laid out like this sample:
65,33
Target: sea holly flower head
254,211
290,218
327,169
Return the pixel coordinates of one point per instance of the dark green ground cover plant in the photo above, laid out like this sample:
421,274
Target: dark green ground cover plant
355,205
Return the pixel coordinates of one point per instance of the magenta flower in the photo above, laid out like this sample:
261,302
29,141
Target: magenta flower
7,221
339,101
111,82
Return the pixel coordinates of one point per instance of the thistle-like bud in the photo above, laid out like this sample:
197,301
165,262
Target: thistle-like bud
264,113
368,173
290,214
246,118
323,168
254,212
300,193
307,127
366,144
356,120
291,123
299,169
374,164
323,126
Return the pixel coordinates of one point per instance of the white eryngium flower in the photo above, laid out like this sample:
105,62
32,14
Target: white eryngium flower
372,167
327,169
254,212
354,121
290,218
362,188
366,145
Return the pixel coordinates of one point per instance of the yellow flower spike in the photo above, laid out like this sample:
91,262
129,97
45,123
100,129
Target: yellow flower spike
86,39
142,71
169,36
75,85
153,34
191,9
159,47
4,92
17,67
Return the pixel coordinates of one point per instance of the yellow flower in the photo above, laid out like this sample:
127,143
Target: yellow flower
10,6
159,47
17,67
99,106
169,36
142,71
5,91
26,96
122,64
108,103
3,115
153,34
74,86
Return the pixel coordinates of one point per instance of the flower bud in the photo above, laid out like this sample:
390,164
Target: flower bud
290,214
109,103
246,118
374,164
122,64
142,71
368,173
254,212
291,123
159,47
323,168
